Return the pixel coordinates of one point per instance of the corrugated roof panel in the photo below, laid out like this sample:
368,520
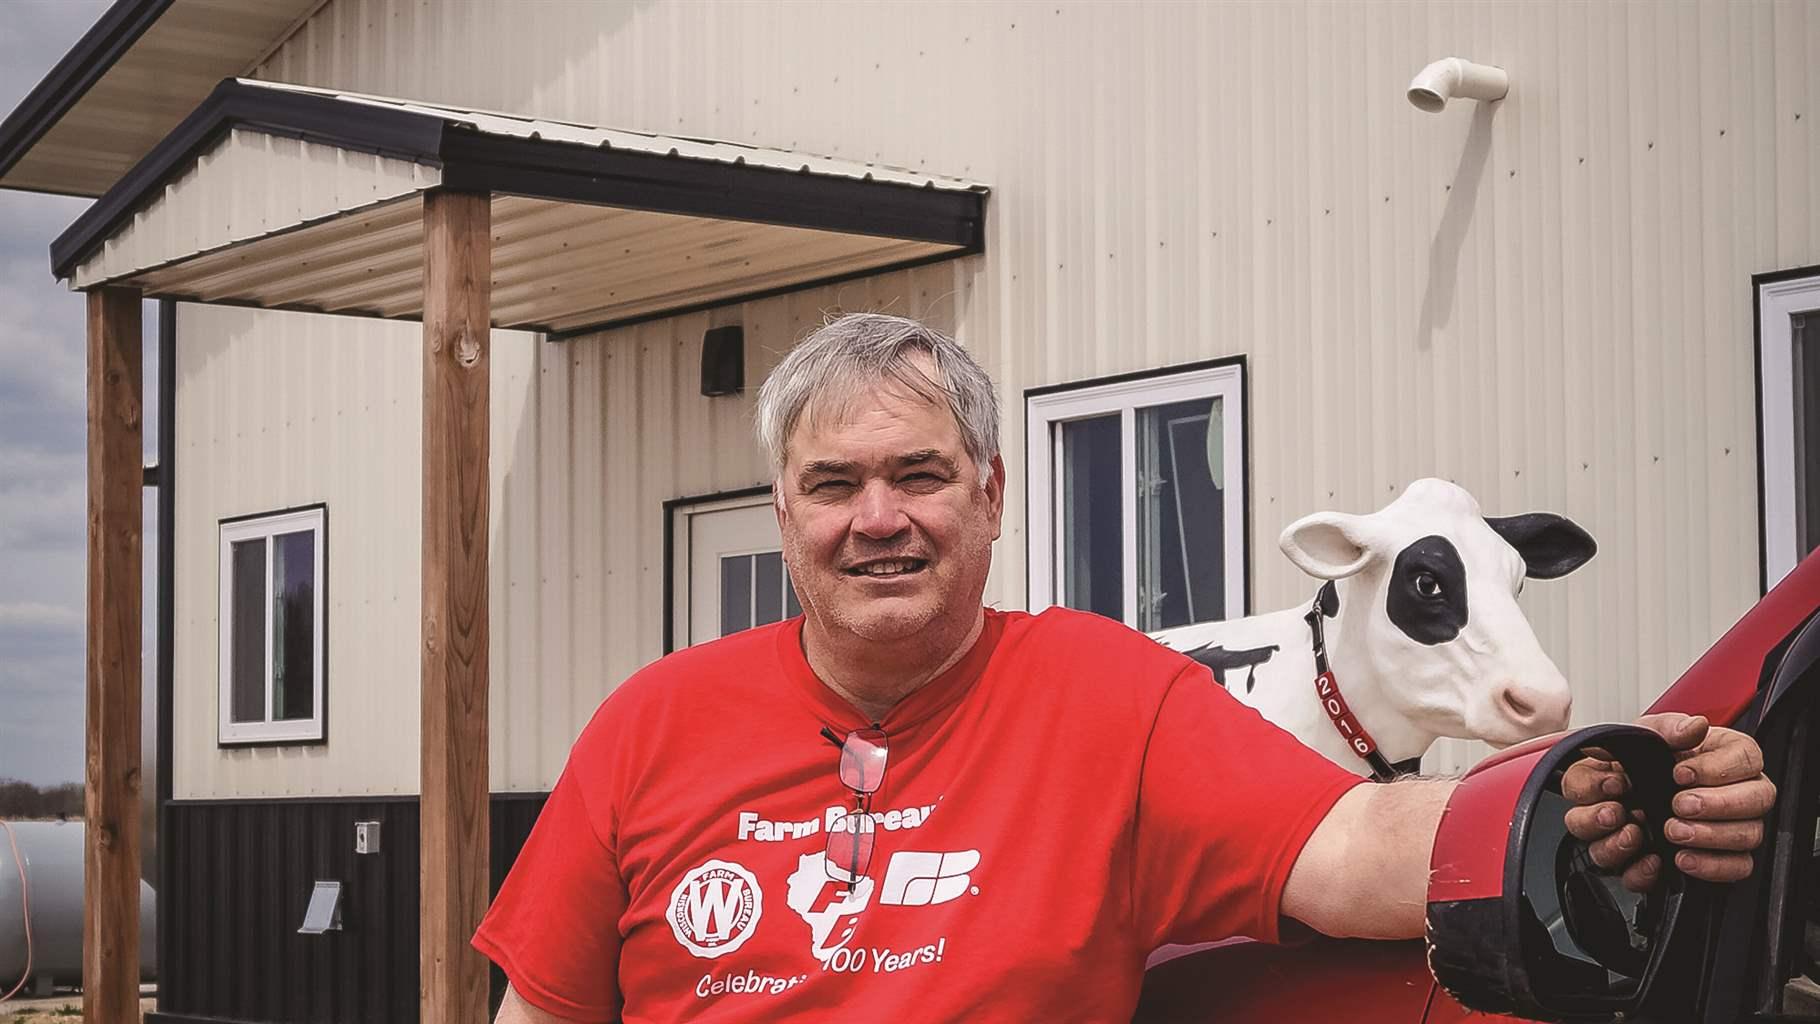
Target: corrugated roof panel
556,266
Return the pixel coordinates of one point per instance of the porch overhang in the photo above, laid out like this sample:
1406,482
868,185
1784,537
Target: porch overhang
132,76
293,198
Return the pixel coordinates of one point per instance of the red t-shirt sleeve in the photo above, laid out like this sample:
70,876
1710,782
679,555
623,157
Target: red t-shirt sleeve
1226,801
554,927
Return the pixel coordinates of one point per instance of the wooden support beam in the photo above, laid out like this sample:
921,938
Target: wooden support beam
110,878
456,299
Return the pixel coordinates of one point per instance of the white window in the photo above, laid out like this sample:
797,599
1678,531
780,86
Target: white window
1788,413
272,619
1137,496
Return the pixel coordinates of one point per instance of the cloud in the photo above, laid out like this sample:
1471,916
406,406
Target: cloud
37,615
43,456
34,35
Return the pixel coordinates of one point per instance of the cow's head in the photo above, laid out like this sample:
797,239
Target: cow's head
1427,588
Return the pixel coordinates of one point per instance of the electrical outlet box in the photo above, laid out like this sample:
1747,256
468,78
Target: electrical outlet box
366,837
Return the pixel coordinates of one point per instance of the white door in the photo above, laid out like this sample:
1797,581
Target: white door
729,569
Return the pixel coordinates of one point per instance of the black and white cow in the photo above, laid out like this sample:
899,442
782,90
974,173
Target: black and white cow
1422,630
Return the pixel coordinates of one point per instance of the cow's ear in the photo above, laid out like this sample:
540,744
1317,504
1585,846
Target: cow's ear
1327,545
1552,546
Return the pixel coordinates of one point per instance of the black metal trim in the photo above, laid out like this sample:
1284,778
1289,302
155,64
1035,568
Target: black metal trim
1240,360
475,161
263,801
1757,283
164,757
1172,369
767,293
346,798
166,1017
1245,511
119,27
540,168
670,507
246,517
322,738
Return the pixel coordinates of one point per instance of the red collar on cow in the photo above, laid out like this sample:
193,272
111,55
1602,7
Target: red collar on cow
1327,692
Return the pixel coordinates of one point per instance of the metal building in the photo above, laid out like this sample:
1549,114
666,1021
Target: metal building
1587,297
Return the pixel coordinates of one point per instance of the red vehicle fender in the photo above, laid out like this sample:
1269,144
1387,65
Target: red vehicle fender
1322,979
1725,679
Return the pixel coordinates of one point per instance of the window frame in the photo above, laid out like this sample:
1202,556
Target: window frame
312,731
1776,297
679,514
1046,407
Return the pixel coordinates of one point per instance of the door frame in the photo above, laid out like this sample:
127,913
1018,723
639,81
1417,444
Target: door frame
682,511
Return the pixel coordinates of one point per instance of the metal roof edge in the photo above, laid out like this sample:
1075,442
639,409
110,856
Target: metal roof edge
400,133
564,171
119,27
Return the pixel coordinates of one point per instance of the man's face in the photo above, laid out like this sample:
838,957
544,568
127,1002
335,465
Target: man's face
886,526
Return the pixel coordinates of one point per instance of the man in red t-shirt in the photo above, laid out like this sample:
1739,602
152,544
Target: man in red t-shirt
909,806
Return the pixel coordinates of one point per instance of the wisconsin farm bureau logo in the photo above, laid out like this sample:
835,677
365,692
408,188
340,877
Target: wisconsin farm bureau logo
715,908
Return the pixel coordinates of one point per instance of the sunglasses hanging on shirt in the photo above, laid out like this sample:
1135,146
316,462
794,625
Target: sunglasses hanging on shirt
852,836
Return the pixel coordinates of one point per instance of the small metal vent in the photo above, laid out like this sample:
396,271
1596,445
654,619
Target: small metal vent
324,912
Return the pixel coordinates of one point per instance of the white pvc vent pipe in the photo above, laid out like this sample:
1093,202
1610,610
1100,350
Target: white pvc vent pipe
1449,77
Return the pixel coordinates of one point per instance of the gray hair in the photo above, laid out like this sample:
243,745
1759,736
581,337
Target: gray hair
859,350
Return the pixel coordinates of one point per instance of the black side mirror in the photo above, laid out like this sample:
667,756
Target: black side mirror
1520,921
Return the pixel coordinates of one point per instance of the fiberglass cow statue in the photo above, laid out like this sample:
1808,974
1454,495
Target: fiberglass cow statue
1415,635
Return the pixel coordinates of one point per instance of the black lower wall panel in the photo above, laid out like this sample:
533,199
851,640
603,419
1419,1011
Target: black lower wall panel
243,873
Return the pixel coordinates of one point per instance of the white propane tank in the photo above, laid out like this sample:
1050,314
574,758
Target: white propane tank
52,851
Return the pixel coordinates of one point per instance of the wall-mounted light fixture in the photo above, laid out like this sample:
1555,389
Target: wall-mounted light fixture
723,361
1452,77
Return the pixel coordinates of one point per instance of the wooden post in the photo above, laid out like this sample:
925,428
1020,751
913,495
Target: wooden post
110,878
457,296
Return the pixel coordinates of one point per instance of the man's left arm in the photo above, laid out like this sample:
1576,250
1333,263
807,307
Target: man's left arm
1364,871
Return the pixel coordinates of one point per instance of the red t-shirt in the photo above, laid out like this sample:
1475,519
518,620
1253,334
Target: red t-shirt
1065,799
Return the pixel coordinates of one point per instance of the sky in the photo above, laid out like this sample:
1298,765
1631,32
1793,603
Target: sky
43,456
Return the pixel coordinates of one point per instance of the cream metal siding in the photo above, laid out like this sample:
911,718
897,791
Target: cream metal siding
277,410
588,439
1547,300
249,185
